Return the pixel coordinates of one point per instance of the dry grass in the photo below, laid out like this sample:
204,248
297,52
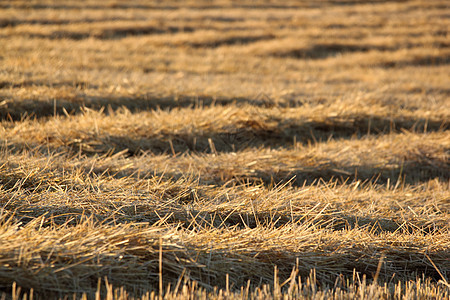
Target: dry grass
224,149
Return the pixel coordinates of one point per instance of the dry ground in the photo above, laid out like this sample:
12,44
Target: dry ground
245,148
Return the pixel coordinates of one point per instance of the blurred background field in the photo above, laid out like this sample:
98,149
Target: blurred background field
236,149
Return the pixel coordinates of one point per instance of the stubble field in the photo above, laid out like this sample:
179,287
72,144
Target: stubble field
225,149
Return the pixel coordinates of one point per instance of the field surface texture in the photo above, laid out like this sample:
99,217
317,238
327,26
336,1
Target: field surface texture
224,149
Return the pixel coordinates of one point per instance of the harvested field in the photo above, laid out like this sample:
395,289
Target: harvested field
224,149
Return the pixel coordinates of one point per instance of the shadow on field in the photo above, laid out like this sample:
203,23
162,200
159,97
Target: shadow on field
320,51
240,39
17,110
192,5
429,60
253,134
112,33
144,212
284,132
414,166
411,172
12,22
